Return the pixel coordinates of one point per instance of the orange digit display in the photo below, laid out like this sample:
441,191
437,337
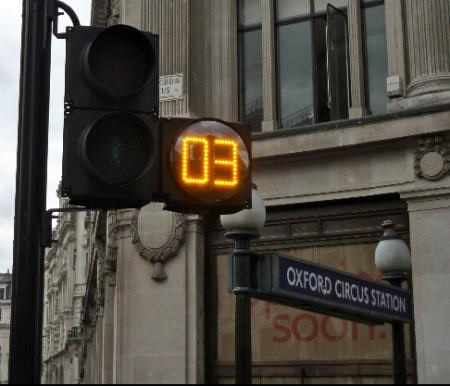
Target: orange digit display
231,163
210,161
188,147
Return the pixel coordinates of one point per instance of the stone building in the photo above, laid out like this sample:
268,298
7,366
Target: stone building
350,106
5,324
65,288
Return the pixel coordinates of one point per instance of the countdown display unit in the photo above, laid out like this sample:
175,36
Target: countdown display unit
206,165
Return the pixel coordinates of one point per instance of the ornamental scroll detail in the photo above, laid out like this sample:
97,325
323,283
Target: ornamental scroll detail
114,18
158,236
432,160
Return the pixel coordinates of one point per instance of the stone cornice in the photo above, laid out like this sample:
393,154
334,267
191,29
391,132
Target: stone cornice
353,133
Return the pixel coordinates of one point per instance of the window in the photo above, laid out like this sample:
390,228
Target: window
2,294
375,56
312,60
250,63
313,82
295,71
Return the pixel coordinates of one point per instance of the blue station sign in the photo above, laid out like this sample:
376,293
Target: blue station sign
301,284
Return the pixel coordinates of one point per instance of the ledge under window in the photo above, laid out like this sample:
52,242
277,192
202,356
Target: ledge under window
353,132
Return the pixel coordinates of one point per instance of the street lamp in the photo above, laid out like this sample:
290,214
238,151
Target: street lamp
393,259
242,227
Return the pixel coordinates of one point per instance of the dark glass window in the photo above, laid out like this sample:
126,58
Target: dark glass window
295,82
312,49
250,63
375,56
295,71
338,90
312,61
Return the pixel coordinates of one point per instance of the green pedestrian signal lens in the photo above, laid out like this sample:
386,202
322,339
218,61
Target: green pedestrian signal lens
118,149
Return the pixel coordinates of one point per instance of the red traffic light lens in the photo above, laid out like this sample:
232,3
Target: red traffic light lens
117,149
210,161
119,62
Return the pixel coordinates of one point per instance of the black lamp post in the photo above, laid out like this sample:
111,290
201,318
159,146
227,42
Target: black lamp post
393,259
242,227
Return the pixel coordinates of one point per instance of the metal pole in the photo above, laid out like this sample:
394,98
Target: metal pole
243,321
398,341
31,184
243,333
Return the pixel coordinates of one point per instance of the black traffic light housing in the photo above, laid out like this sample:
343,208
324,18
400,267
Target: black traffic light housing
111,129
172,193
113,162
114,68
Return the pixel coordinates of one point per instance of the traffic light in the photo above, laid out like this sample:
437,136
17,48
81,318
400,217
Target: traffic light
111,128
206,166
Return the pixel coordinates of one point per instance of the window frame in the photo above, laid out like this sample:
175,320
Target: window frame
277,24
358,103
312,17
240,31
365,5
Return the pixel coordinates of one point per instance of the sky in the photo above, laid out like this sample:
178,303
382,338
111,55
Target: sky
10,36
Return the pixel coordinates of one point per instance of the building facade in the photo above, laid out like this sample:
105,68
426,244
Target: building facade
349,101
5,324
65,288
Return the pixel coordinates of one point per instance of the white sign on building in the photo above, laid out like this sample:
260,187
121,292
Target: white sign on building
171,87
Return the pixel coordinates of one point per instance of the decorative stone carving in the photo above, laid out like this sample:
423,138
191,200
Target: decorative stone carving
111,254
158,236
100,12
432,158
115,13
100,292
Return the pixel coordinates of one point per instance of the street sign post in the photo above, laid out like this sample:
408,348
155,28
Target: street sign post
301,284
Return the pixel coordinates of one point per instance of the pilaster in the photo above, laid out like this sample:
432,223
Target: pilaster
195,326
170,20
396,43
429,213
223,31
269,66
357,108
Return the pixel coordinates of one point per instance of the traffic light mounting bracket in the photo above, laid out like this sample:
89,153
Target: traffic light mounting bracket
46,226
54,14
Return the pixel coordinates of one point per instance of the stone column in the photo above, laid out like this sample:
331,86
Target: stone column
429,215
269,62
170,20
428,30
224,67
195,291
396,44
75,370
98,350
357,109
108,332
